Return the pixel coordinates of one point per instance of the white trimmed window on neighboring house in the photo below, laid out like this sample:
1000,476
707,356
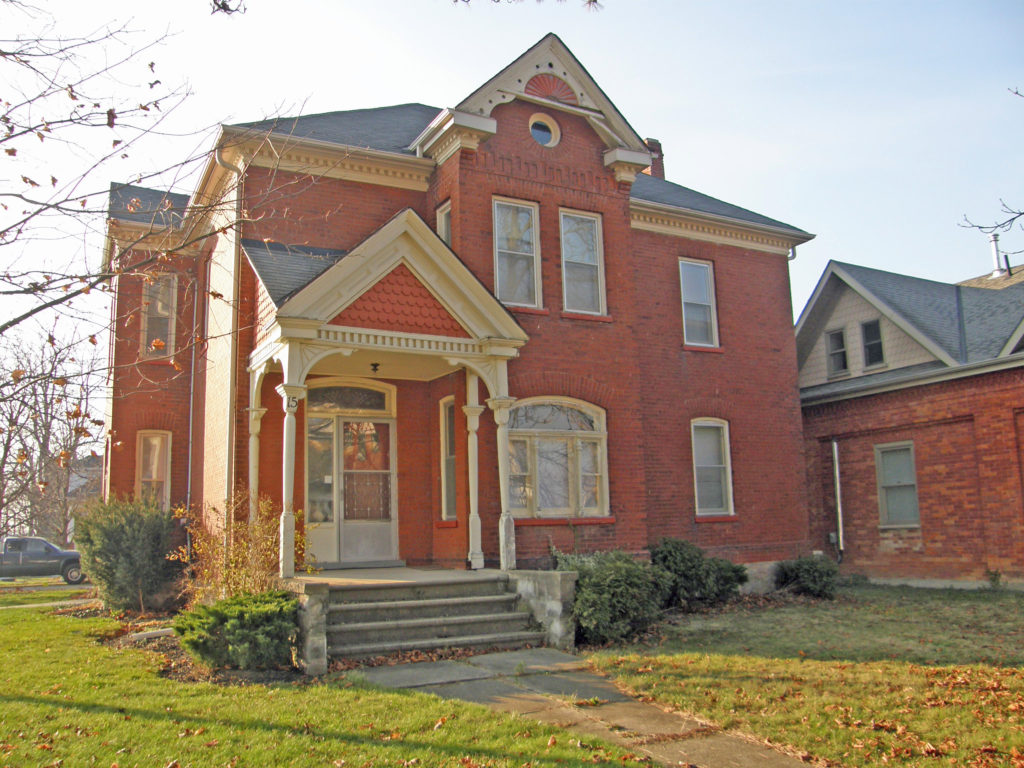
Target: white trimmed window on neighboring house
153,467
897,485
712,469
582,263
159,299
558,464
871,334
700,321
448,459
835,349
516,254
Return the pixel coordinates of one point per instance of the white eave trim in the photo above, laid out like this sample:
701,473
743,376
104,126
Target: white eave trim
630,156
930,377
451,118
647,206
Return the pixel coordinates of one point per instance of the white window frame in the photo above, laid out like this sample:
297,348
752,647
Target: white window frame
444,222
883,511
864,343
448,493
148,309
598,436
165,500
831,370
599,255
710,282
535,214
723,427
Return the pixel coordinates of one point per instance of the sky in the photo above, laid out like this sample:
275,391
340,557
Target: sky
877,126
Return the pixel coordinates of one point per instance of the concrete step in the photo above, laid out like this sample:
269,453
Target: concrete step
429,629
457,587
394,610
502,640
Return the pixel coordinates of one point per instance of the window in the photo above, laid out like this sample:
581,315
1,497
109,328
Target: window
700,325
835,348
158,301
544,130
444,223
871,333
712,474
897,485
582,263
516,256
448,459
153,468
557,463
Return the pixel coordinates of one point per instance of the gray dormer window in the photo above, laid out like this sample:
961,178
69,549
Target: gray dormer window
871,333
835,347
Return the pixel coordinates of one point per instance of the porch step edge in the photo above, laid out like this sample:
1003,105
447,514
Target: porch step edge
435,602
397,625
443,582
499,639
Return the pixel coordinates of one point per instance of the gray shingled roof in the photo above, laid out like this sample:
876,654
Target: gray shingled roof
657,190
389,129
970,324
142,205
894,376
284,269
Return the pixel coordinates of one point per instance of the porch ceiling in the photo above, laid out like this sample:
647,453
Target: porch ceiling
391,365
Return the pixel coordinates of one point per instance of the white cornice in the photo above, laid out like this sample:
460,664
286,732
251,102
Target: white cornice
930,377
451,131
679,222
626,163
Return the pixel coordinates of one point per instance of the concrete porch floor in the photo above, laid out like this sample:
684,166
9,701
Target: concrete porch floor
395,575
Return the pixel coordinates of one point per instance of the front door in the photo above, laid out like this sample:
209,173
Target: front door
351,517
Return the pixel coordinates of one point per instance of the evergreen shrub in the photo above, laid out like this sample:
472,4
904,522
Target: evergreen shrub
125,547
244,631
812,576
697,581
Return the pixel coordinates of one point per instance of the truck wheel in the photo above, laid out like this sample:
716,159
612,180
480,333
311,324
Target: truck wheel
72,573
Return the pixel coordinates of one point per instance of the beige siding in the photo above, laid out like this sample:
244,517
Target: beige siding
849,311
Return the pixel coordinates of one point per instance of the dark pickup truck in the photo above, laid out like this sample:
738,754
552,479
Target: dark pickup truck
32,556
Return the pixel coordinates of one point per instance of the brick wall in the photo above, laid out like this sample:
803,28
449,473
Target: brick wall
967,436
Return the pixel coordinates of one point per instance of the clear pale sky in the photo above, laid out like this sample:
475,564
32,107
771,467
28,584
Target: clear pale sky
875,125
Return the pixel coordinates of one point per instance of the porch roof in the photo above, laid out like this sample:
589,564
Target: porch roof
284,269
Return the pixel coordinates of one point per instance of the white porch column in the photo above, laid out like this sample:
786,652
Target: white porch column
290,395
255,419
473,409
506,524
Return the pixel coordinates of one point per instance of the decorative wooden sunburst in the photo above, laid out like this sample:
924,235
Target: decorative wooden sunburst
545,86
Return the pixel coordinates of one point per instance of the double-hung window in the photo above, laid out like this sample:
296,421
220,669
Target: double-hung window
835,348
700,323
153,467
557,462
158,304
712,471
516,254
871,333
897,485
582,263
448,458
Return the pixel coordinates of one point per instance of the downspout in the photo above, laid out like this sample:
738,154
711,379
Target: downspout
839,499
192,385
792,254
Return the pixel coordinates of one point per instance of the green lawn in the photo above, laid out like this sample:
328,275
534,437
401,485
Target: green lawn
32,597
880,676
66,699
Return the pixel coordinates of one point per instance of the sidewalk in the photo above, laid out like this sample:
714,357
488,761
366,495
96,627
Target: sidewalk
556,688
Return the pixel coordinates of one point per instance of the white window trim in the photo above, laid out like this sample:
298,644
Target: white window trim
599,436
832,374
714,303
168,349
537,290
883,511
727,454
864,344
443,222
165,502
548,122
443,405
602,308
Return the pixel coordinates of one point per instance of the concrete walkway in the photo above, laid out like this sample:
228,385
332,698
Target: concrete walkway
555,687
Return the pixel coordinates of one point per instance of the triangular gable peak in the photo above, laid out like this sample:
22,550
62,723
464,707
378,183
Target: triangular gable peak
550,75
404,262
400,302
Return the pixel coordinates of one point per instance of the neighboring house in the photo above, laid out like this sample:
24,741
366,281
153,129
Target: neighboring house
913,402
461,336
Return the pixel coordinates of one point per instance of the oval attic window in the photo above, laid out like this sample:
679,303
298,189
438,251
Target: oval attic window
544,130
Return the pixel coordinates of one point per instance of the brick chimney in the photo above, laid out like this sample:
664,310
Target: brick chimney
657,169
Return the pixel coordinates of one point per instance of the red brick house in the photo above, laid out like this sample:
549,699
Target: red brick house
460,336
913,403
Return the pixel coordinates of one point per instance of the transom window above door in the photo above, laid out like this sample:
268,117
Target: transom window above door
558,464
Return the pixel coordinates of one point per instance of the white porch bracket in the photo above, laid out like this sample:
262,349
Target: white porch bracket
506,524
290,396
472,409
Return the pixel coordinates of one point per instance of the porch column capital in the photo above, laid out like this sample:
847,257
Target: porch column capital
255,419
472,413
500,406
291,394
